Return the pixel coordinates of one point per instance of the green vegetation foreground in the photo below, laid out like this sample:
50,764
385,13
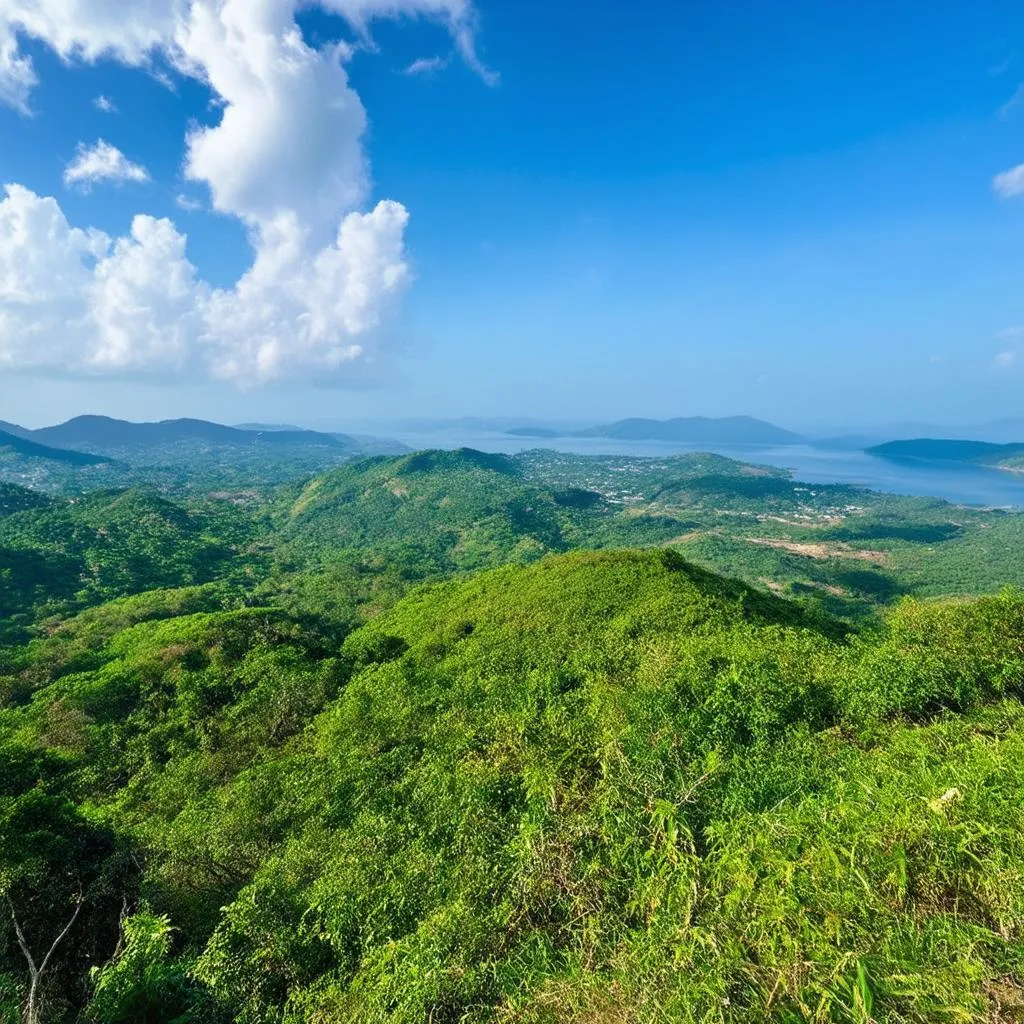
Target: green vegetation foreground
603,787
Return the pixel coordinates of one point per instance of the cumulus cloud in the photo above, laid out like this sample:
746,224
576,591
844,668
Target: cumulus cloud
101,162
1010,183
290,131
283,152
105,104
82,301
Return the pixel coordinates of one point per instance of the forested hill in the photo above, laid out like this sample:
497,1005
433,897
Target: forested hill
59,556
444,510
606,786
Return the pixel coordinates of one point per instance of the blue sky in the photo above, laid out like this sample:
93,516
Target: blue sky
647,209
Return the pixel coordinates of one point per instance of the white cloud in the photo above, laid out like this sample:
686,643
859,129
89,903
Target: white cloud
187,203
283,152
1010,332
17,78
290,132
135,32
313,312
144,305
33,273
80,301
105,104
427,65
1004,360
101,162
87,30
1010,183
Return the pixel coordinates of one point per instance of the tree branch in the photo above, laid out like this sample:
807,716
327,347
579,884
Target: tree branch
21,941
57,941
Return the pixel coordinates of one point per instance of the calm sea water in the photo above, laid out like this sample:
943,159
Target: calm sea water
956,483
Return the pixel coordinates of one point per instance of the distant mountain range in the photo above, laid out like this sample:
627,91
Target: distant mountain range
15,443
106,435
697,430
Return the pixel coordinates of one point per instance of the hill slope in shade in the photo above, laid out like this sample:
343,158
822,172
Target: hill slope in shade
15,429
68,554
34,450
697,430
20,499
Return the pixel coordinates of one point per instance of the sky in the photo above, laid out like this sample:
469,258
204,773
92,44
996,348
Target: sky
338,211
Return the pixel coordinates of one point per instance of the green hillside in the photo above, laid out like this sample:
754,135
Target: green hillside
606,786
57,556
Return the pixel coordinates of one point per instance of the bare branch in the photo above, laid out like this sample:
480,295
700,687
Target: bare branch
33,972
57,941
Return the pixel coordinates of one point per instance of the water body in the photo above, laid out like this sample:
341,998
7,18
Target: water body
962,484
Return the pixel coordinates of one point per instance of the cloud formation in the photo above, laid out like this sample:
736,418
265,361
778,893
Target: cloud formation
101,162
284,154
88,303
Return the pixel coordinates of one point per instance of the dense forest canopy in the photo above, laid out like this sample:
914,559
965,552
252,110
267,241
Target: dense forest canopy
456,737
